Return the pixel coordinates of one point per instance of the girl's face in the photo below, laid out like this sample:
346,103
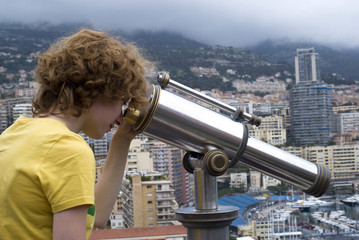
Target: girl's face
102,116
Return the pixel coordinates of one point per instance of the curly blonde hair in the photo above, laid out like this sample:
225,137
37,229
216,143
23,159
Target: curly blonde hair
88,64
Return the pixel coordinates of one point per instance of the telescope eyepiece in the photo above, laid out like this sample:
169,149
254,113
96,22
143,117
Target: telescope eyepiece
131,116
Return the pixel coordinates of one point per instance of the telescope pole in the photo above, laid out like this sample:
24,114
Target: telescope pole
207,220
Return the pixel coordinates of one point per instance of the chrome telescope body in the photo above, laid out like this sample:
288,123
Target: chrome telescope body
174,119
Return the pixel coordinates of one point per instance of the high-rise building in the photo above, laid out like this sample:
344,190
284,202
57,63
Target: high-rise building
138,158
148,200
311,113
3,117
306,65
310,102
167,160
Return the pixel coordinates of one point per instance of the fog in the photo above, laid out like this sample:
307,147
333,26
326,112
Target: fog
238,23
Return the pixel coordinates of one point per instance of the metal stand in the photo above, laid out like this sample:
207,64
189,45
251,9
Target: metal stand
207,220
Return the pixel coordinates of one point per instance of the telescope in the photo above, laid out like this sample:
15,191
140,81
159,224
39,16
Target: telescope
215,137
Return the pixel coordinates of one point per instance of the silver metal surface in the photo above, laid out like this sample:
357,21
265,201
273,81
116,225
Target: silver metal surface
206,194
190,126
207,221
279,164
207,99
207,224
193,127
200,96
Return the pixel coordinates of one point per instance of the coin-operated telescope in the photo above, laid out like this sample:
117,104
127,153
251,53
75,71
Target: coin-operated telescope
215,137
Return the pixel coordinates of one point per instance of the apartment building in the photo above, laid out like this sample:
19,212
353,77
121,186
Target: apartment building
271,130
345,108
167,160
262,229
310,102
269,181
262,84
25,92
3,117
255,180
23,109
238,180
139,157
311,113
306,65
342,160
347,122
148,200
270,229
297,151
9,105
99,146
349,138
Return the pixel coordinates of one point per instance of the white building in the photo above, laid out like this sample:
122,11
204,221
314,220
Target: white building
238,180
347,122
139,157
269,181
262,84
117,221
23,109
255,180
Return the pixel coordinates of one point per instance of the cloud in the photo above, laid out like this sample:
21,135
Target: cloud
226,22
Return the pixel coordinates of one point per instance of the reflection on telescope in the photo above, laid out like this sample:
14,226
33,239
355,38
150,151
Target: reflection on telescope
214,142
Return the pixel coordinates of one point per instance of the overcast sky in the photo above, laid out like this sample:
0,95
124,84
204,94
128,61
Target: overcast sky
238,23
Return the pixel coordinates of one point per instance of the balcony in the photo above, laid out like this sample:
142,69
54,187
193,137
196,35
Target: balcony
165,213
128,210
164,197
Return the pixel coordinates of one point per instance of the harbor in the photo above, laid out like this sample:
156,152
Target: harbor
283,217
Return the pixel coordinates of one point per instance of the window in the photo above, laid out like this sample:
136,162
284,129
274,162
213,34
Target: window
149,202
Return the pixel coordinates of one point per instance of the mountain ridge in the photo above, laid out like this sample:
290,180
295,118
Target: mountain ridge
180,55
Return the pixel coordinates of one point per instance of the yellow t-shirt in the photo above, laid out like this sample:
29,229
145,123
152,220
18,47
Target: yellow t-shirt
44,169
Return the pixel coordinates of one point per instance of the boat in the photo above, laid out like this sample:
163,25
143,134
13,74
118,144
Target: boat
351,201
313,201
301,205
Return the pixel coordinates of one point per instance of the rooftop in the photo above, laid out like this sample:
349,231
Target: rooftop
158,233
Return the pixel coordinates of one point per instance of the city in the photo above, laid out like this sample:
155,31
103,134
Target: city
312,120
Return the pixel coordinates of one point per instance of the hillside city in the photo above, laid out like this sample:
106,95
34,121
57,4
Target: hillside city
323,129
